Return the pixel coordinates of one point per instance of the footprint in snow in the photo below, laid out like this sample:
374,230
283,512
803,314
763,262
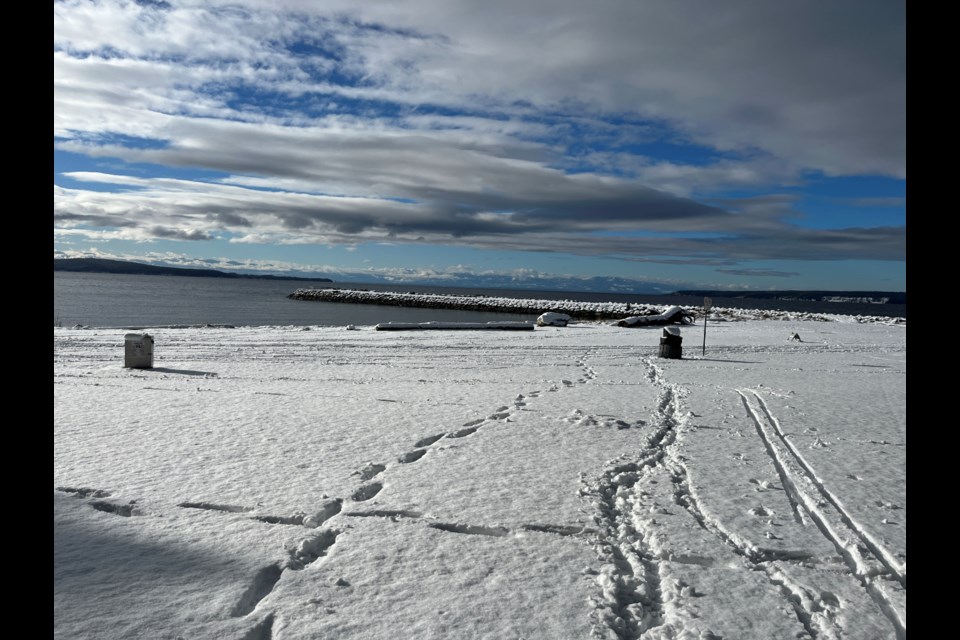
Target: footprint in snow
429,440
327,510
412,456
370,471
124,510
311,549
366,492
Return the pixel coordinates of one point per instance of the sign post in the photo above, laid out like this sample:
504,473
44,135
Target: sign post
707,303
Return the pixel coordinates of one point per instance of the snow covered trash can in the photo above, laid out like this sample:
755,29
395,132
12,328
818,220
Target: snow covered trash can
670,343
138,351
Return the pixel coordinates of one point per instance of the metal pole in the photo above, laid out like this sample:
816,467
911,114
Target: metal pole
704,334
707,303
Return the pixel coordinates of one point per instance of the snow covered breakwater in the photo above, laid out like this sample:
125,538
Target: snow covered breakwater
577,309
573,308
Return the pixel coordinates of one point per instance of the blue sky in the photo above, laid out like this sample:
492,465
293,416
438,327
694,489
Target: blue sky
741,145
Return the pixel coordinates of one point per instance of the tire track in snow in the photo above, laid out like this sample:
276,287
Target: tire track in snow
832,521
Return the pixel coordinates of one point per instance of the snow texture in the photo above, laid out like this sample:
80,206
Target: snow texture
274,483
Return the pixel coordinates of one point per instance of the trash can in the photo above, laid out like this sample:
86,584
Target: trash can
138,351
670,343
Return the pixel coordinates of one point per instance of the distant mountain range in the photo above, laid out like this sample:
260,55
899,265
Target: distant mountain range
101,265
532,282
866,297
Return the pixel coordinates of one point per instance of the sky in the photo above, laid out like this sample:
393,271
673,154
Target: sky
652,145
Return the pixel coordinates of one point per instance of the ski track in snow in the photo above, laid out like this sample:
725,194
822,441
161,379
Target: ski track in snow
632,582
866,558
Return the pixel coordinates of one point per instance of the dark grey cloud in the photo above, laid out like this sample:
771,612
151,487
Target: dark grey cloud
755,229
178,234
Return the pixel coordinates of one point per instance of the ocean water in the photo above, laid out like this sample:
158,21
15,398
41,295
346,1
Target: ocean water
133,301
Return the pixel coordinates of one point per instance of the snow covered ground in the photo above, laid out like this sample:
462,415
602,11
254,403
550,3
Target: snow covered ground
274,482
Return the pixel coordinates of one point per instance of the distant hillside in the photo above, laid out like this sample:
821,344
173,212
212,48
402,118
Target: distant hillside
871,297
100,265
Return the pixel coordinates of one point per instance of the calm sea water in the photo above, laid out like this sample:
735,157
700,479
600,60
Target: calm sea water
117,300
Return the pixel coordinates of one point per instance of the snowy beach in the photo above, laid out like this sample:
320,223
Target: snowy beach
278,483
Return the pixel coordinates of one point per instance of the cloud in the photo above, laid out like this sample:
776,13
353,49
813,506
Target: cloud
164,208
820,85
511,125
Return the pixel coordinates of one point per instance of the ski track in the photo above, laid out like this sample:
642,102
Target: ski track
884,555
865,559
632,603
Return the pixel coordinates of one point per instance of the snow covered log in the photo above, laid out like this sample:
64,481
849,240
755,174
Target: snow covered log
455,326
552,319
673,315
